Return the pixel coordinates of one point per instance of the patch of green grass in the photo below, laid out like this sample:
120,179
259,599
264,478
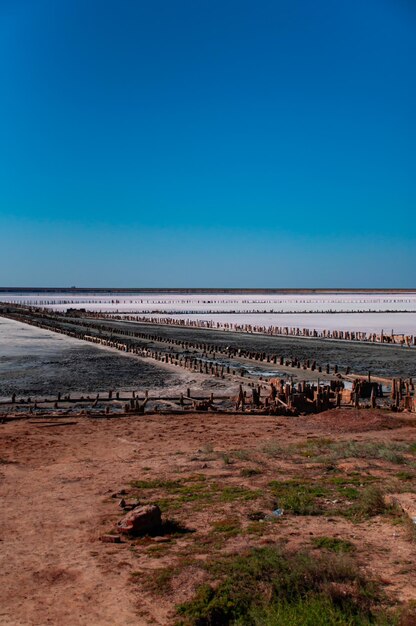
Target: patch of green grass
318,611
370,502
350,486
171,495
327,451
354,479
231,493
169,485
310,611
308,448
159,581
405,475
299,497
313,447
270,586
229,526
355,496
351,493
333,544
168,504
391,452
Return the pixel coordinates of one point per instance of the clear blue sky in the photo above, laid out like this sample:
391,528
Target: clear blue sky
208,143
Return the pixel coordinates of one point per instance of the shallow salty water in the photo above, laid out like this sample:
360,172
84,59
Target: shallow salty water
397,323
318,302
37,362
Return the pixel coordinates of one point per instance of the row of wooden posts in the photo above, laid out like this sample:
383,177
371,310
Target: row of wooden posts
291,397
283,331
280,398
209,351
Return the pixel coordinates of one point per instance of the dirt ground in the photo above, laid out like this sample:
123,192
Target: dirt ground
61,482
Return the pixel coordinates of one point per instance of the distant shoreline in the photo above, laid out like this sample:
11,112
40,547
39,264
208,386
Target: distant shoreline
198,290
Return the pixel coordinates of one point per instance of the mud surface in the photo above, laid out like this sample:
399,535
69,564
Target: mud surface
384,361
38,362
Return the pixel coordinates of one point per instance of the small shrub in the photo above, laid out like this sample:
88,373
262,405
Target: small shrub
248,472
405,475
369,503
242,455
275,449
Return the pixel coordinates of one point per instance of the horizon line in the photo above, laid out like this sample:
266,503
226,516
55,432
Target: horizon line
213,290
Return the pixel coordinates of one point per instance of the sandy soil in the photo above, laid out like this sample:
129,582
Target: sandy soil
57,484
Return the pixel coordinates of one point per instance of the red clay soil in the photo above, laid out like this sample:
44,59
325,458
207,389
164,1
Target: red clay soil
57,484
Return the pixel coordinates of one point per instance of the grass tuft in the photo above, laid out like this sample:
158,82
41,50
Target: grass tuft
248,472
369,504
228,526
333,544
297,497
269,586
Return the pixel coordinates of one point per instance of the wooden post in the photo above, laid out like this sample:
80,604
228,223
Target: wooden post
373,398
240,399
393,389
